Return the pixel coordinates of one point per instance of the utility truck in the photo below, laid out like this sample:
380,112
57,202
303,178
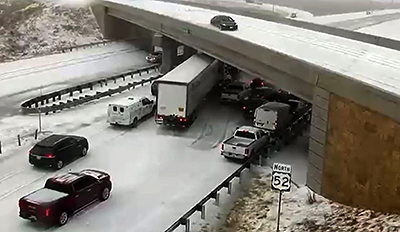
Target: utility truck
182,90
128,111
282,121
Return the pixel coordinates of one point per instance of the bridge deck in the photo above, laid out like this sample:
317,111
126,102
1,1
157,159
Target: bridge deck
372,65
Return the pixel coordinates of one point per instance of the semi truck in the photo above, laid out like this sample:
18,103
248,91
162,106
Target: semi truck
182,90
282,121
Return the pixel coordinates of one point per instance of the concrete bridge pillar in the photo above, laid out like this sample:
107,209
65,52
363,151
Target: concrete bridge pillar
170,52
354,154
114,28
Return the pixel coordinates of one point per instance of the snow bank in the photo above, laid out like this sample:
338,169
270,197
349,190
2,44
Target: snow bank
256,210
327,19
29,28
384,30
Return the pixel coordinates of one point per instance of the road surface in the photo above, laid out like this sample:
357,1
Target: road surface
21,80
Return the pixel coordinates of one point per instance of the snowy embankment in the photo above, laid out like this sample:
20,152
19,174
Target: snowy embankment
302,211
29,28
384,30
327,19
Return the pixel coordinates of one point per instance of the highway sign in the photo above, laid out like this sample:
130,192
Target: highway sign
281,177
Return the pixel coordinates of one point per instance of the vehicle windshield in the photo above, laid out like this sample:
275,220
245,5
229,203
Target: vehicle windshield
245,134
226,19
56,186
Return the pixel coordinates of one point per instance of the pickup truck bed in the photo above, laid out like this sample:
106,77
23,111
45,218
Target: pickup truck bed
44,195
238,142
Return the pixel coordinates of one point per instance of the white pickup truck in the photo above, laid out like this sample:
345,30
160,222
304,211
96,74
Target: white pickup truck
245,142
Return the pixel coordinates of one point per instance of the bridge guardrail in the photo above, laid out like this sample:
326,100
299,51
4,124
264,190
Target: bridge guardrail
32,106
214,194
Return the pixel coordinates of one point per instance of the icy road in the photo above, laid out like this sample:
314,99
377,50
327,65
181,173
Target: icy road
157,174
23,79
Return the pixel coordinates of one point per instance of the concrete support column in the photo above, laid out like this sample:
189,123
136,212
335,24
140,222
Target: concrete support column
188,52
169,56
114,28
317,141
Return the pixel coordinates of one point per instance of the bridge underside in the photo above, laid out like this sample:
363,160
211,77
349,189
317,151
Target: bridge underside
354,152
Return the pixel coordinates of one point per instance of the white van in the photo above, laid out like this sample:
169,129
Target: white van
129,111
272,116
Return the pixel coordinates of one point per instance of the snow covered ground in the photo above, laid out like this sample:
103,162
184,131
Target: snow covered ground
30,27
158,173
255,209
384,30
328,19
23,79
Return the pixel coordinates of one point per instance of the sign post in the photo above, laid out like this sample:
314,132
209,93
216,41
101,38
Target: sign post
281,181
40,112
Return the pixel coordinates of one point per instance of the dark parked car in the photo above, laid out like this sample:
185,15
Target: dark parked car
258,83
65,195
224,23
55,150
253,98
154,57
285,96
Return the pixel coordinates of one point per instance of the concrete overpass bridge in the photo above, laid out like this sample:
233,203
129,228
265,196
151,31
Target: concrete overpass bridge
354,151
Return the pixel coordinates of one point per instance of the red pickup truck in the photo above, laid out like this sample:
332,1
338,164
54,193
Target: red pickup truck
65,195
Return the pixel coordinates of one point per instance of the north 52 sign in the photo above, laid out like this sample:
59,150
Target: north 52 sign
281,177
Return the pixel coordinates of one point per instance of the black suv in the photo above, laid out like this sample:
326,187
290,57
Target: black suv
224,23
253,98
55,150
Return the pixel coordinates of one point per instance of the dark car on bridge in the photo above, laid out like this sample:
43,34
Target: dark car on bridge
56,150
224,23
64,195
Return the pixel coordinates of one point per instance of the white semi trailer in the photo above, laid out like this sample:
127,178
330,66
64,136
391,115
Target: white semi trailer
182,90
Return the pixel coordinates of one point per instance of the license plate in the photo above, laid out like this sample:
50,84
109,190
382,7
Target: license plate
38,157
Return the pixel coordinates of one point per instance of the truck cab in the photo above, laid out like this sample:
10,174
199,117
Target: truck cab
129,111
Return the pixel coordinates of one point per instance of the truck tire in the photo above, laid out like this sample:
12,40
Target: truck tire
63,218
